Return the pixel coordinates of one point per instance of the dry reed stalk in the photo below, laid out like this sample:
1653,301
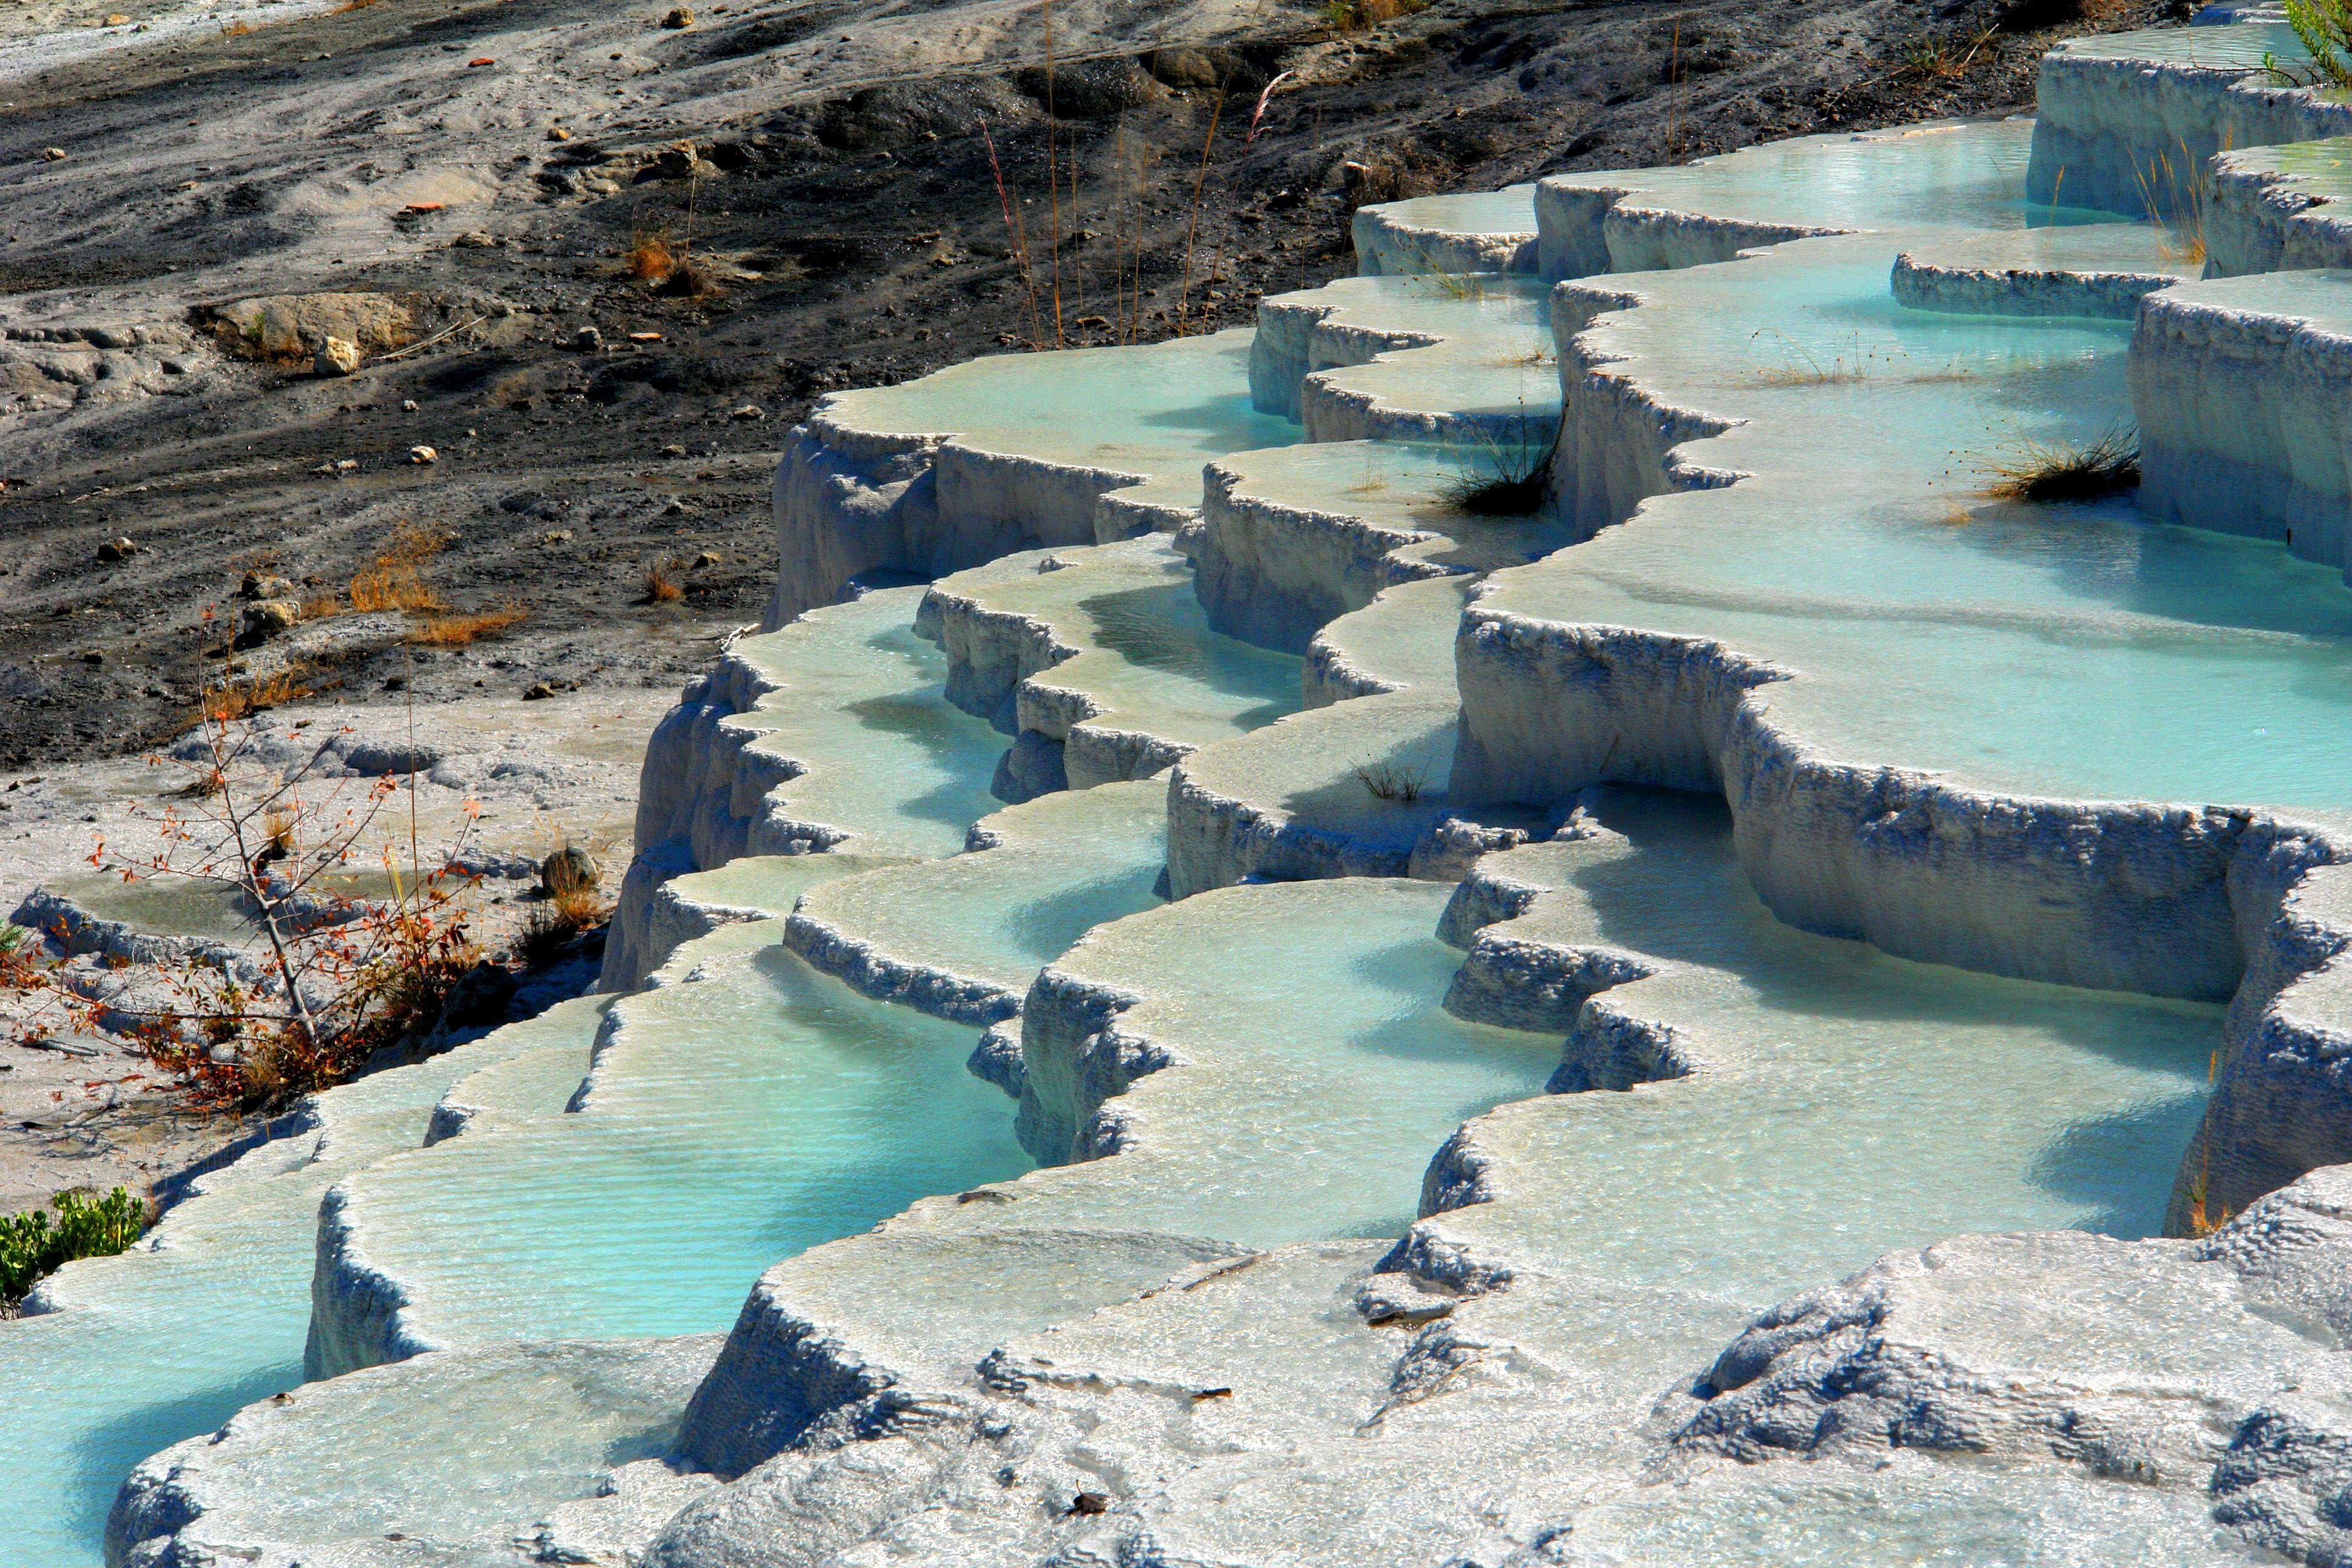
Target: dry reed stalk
1674,82
1053,184
1013,230
1193,223
1077,266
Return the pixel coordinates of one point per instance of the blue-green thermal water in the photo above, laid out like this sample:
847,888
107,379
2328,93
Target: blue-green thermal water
1847,1102
745,1115
1066,862
1155,410
653,1209
1317,1069
154,1347
863,707
2053,648
1956,175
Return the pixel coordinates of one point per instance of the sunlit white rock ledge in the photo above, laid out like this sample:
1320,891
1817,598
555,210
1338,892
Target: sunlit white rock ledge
870,490
2271,210
592,1420
2242,390
852,505
2095,270
1274,572
1432,235
2127,121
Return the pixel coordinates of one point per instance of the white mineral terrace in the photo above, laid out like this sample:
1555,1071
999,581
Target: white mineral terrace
1265,964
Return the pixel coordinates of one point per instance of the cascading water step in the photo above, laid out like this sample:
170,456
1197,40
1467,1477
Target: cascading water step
1100,662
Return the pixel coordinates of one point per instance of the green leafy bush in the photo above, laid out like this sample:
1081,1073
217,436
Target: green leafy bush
31,1246
2323,27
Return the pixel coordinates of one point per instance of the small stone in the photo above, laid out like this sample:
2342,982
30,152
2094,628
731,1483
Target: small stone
569,870
673,450
707,559
117,19
748,411
557,133
115,550
679,17
347,465
265,618
599,186
264,586
408,406
556,536
480,996
645,337
336,356
674,509
93,656
54,154
421,455
539,692
587,340
475,240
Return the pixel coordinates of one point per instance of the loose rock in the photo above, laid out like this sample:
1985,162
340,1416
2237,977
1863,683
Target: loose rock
336,356
115,550
266,618
423,454
569,870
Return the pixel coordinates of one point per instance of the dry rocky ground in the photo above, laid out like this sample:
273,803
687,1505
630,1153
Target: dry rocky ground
473,178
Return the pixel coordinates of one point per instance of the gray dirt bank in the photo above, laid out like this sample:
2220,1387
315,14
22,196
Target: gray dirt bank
842,199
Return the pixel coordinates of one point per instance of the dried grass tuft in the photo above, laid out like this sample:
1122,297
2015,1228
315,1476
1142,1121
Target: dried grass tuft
651,256
395,582
462,629
551,925
234,701
1356,15
2067,472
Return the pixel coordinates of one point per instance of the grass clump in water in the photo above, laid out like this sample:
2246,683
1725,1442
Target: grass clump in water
1393,782
32,1245
2067,470
1512,480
